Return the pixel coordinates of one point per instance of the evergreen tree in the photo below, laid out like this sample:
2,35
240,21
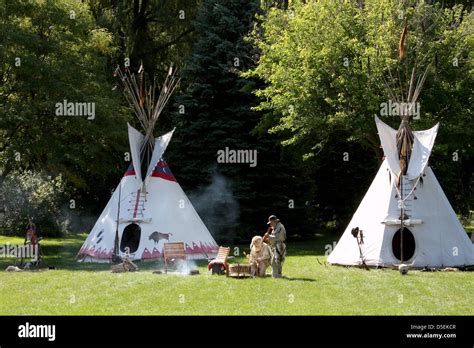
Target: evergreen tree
216,105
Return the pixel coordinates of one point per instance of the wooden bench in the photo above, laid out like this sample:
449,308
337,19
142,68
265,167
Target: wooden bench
173,251
239,270
221,259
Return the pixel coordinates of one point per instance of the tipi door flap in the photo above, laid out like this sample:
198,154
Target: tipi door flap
136,141
161,143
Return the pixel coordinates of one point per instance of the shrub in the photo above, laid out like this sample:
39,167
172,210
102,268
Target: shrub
32,195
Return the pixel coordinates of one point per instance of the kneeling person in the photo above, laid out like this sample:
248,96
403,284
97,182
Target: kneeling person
260,257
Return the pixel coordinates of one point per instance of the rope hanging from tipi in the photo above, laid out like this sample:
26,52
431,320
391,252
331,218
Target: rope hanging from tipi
404,135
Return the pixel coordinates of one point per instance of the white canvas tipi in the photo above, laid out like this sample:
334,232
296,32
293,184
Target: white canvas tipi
148,208
405,215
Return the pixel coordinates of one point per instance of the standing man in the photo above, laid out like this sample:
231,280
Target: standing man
277,242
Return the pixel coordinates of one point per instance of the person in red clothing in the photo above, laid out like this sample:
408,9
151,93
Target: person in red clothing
31,234
32,239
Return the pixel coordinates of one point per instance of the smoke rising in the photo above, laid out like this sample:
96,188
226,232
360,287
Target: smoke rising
217,207
184,267
75,220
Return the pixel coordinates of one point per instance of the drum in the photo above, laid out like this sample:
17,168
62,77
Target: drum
239,270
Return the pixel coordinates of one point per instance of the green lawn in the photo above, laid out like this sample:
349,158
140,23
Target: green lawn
309,289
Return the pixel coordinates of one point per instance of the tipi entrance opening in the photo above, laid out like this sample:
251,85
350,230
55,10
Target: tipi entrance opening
130,238
409,245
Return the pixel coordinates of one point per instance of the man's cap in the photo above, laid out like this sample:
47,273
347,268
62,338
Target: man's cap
272,218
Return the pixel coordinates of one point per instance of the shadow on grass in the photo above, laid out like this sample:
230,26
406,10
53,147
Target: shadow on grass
299,279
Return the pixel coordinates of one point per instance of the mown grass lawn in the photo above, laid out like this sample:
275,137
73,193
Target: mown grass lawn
309,289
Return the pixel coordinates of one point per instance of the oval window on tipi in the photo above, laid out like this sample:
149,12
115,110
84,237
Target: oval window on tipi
130,238
408,244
